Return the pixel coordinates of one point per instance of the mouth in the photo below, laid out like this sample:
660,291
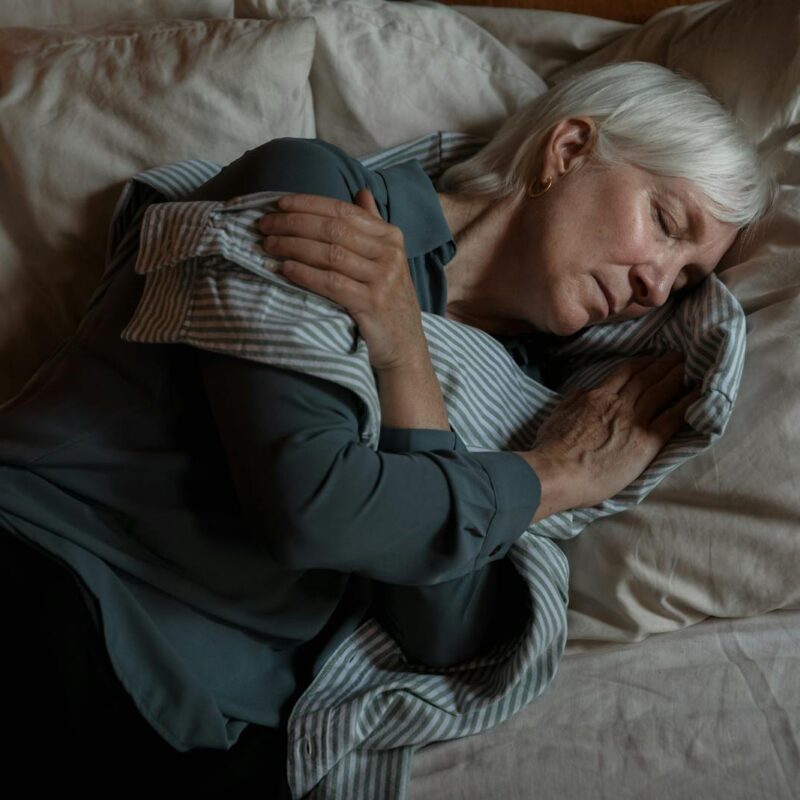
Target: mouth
607,297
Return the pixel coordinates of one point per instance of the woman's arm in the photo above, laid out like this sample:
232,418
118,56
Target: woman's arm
316,496
411,397
320,499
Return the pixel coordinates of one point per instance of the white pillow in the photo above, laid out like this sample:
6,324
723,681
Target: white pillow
721,536
38,13
546,41
385,73
744,51
85,110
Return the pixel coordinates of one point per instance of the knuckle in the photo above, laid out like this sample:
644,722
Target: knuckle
397,269
335,230
598,396
604,403
397,236
345,210
288,223
335,281
336,255
614,406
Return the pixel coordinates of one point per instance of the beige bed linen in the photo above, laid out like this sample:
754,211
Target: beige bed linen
84,109
99,12
546,41
711,712
634,11
386,73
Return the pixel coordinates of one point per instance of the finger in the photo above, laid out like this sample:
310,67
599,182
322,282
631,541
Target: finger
352,295
365,200
651,375
624,372
368,243
323,257
324,242
665,426
330,207
661,394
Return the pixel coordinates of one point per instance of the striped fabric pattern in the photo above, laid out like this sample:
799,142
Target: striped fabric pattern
353,732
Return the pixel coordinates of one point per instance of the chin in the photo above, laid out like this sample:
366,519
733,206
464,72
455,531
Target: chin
569,325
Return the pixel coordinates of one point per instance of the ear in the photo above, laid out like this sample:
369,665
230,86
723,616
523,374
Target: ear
569,144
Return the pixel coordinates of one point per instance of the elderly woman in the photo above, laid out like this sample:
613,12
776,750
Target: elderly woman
592,205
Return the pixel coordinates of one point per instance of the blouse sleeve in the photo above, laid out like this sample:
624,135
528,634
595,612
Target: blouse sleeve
321,499
448,623
418,510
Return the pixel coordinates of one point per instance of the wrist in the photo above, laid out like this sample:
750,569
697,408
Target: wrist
415,361
554,480
410,395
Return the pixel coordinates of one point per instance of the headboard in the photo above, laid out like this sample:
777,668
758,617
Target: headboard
623,10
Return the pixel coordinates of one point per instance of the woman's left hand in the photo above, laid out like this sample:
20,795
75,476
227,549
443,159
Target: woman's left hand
349,254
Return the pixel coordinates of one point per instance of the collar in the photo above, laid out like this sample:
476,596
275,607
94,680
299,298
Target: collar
413,205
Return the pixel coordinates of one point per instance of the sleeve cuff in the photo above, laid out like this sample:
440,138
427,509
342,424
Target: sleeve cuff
188,248
409,440
518,493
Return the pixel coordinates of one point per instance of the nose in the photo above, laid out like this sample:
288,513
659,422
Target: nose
651,284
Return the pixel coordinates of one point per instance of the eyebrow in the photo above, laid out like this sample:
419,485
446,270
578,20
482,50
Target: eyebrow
696,222
695,229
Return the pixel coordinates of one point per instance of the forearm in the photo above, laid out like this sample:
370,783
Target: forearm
318,498
411,397
554,481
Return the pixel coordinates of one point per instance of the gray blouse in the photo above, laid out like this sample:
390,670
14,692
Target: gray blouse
146,470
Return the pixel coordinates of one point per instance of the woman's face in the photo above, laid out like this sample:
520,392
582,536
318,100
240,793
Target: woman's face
607,245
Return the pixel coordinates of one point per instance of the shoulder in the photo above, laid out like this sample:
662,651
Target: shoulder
311,166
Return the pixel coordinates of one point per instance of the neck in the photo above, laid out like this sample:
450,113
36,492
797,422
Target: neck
480,288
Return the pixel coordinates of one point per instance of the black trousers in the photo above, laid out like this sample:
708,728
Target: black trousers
70,722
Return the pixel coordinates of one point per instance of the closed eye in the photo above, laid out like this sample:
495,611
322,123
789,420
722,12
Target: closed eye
662,222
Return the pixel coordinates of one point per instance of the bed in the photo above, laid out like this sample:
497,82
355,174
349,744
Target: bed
681,674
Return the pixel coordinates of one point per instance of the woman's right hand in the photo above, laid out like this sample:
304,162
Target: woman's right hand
596,442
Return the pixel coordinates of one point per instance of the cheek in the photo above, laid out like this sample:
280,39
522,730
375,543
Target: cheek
569,305
560,285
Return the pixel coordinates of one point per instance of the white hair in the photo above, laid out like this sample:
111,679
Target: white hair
646,115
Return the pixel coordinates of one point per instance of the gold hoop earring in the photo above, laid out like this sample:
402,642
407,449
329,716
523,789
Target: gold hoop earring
548,184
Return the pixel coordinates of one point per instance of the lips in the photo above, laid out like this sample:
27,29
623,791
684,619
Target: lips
608,297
